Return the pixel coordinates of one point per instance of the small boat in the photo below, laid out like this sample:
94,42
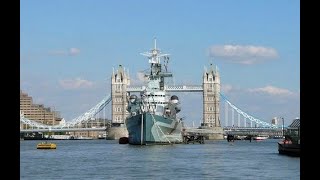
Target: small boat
46,145
260,137
80,138
230,138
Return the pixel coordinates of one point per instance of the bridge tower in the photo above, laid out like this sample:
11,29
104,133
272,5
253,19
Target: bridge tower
119,82
211,102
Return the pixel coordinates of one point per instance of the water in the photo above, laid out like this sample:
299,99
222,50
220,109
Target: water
106,159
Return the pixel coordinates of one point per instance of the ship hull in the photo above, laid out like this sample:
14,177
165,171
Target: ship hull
148,129
289,149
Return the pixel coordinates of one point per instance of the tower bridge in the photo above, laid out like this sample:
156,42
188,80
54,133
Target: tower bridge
121,90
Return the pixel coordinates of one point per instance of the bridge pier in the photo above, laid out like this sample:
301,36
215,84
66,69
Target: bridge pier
216,133
116,132
192,138
209,133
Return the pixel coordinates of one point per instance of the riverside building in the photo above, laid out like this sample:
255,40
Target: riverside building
38,112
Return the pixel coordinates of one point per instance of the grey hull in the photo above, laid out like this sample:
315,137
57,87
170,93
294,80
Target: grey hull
146,129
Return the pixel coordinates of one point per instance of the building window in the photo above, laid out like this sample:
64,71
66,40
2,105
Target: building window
210,108
210,99
118,87
118,119
118,109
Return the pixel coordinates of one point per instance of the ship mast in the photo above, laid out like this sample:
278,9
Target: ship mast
154,56
156,76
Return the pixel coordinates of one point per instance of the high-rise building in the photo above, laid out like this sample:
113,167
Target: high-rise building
37,112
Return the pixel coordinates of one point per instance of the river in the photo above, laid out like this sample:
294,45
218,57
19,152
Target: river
107,159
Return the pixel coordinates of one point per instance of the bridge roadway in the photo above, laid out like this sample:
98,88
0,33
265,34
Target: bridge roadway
63,130
238,131
254,131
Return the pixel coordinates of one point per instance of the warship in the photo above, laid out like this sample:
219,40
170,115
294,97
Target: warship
153,112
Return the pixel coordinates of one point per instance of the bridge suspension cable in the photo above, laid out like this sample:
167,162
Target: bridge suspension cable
74,122
31,123
87,115
251,118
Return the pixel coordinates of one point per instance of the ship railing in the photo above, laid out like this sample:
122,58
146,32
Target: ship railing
134,89
170,88
184,88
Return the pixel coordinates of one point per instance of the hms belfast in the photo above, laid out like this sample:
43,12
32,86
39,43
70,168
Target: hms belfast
153,115
121,104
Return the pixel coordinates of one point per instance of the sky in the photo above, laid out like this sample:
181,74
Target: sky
68,50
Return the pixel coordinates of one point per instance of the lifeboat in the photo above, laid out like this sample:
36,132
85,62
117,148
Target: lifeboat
46,145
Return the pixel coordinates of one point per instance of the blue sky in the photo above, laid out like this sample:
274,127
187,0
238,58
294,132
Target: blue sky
68,50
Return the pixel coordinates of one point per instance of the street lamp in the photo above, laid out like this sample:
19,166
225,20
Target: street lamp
282,126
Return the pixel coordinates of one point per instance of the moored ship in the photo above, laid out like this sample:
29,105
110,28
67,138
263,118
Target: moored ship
291,144
153,115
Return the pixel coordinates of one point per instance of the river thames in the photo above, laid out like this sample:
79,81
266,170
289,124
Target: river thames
107,159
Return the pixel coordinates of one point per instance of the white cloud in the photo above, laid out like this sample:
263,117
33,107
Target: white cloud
231,89
74,51
226,88
57,53
271,90
243,54
141,77
69,52
77,83
139,80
